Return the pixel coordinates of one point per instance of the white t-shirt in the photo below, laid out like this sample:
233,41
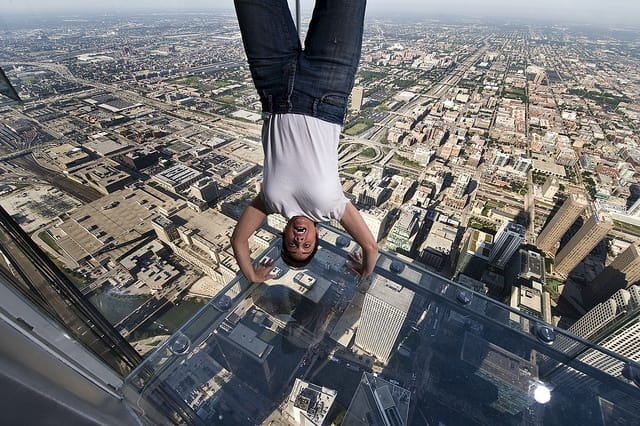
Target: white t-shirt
300,176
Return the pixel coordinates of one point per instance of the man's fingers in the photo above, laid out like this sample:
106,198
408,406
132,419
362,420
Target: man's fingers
355,267
356,257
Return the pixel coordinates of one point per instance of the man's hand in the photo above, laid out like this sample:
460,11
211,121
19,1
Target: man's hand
355,263
262,271
362,263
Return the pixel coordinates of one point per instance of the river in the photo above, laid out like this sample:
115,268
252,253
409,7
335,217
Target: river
116,306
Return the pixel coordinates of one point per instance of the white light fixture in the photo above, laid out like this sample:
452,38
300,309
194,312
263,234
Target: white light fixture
541,392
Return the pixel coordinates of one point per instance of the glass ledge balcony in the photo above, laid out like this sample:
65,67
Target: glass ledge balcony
403,347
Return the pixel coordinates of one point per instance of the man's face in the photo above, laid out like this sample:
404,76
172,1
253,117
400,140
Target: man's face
300,237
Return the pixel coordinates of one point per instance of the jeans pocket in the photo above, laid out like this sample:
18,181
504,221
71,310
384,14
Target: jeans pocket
334,99
331,107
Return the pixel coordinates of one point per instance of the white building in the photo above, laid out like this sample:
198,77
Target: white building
385,308
376,220
357,96
177,178
550,187
462,183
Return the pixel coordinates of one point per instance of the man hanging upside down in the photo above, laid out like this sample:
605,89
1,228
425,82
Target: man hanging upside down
304,95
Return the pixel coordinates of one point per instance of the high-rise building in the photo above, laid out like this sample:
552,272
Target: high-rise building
438,182
500,159
369,195
522,165
438,244
376,220
614,325
581,244
461,185
550,236
357,95
506,242
550,187
621,273
531,266
378,402
423,153
509,373
309,404
401,192
165,229
384,310
377,172
532,301
403,233
205,189
619,333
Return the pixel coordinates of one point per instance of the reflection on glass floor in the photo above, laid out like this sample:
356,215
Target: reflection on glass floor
402,347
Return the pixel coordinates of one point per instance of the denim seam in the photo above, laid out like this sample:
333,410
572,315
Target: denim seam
291,83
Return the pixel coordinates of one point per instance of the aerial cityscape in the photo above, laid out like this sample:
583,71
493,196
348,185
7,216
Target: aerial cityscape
495,162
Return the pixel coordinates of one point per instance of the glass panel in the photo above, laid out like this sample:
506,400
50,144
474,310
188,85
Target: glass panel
34,275
136,147
321,342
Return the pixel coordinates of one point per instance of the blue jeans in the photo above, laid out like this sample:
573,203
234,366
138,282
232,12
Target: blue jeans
316,80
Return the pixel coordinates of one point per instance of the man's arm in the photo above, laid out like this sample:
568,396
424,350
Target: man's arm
251,218
355,226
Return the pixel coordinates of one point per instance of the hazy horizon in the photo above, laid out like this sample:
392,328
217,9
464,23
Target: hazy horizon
617,12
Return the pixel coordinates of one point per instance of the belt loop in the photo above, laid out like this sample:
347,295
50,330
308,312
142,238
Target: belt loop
314,106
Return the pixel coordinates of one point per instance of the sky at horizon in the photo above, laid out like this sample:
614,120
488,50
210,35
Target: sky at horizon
621,12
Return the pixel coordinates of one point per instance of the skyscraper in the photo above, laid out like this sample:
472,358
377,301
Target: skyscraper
621,273
509,373
384,310
550,236
506,242
614,325
581,244
378,402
